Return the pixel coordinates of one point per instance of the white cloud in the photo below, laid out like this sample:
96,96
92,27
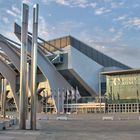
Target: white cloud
112,30
112,46
15,9
73,3
128,22
50,31
132,23
117,37
107,1
15,12
27,1
117,4
11,13
101,38
136,5
49,14
101,11
63,2
5,20
93,5
123,17
43,28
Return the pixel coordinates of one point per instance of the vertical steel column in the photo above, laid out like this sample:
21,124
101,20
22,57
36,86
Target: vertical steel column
2,88
34,66
58,101
23,66
3,97
27,89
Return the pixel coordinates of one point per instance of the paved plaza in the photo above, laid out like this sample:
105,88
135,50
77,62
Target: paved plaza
79,127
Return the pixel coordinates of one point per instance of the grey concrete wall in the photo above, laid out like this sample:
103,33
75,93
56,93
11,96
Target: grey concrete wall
85,67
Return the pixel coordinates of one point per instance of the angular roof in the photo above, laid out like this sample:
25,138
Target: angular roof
60,43
89,51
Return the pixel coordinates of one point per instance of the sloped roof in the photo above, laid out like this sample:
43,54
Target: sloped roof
60,43
89,51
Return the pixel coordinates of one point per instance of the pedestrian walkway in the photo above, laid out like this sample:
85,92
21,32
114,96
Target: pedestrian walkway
86,127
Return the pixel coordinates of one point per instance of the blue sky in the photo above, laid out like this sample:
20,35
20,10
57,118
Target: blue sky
110,26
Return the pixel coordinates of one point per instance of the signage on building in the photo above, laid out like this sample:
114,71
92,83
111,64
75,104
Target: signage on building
125,81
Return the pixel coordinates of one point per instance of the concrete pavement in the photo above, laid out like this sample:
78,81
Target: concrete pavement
89,127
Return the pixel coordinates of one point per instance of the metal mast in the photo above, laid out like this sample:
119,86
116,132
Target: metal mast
23,66
34,66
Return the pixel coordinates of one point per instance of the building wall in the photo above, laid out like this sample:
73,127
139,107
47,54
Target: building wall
85,67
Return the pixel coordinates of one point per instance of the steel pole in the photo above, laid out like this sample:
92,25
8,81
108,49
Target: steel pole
58,99
23,66
67,102
3,98
2,88
63,92
27,90
34,66
100,90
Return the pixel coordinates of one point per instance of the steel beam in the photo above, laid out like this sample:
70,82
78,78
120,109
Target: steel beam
23,67
27,89
34,66
10,52
47,68
10,75
2,91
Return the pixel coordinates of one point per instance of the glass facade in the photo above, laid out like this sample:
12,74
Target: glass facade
123,88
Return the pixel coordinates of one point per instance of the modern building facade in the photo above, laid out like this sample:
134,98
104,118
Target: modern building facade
82,64
63,64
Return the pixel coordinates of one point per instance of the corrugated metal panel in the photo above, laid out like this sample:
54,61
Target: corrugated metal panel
105,63
89,52
100,56
83,48
94,55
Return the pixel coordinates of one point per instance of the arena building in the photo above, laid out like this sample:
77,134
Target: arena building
63,63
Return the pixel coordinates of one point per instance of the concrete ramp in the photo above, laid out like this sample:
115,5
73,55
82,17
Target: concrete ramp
56,80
